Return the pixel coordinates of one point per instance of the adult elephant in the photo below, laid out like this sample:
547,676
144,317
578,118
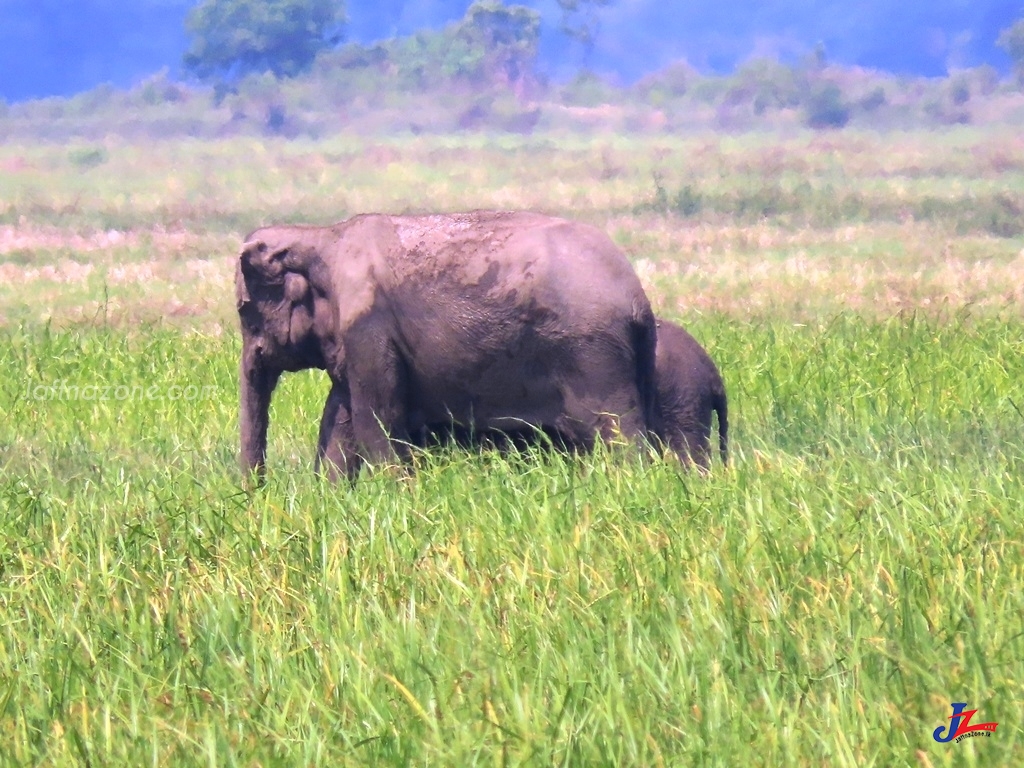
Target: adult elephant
489,320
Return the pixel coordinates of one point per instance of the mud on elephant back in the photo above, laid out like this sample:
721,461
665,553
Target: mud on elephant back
488,320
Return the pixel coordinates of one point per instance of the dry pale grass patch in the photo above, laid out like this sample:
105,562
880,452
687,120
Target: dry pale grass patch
66,272
28,237
37,240
875,269
739,270
153,230
121,277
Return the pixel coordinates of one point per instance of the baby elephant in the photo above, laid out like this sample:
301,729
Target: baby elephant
690,390
690,393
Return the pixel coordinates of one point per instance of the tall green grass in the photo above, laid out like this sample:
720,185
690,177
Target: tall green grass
820,602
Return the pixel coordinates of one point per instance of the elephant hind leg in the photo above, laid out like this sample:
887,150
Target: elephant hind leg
597,404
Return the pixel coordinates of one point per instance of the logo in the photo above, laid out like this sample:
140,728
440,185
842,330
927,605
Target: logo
959,727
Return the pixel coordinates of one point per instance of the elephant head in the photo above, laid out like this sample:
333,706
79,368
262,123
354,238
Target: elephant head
287,321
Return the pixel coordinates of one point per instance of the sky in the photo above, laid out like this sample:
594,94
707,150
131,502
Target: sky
61,47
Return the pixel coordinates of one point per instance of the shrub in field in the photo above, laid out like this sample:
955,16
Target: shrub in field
765,85
159,89
87,157
668,84
826,107
1000,214
685,202
587,89
874,99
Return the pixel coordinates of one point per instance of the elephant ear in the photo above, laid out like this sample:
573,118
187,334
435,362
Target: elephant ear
244,271
253,249
255,266
259,260
242,296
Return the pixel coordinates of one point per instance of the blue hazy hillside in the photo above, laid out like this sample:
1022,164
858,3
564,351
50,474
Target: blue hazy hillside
60,47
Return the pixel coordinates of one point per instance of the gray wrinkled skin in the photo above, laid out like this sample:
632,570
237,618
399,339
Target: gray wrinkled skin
690,391
485,320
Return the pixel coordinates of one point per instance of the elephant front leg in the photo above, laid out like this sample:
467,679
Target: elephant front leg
379,425
257,386
336,447
379,388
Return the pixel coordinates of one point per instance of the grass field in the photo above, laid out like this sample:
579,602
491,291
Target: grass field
822,601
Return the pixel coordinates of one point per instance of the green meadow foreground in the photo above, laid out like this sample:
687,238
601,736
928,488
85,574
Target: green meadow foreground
822,601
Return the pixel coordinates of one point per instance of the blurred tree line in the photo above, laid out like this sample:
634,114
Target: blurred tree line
283,67
493,41
1012,41
56,47
232,38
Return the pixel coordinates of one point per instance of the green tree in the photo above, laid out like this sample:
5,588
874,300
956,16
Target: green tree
505,37
233,38
580,22
1011,40
492,45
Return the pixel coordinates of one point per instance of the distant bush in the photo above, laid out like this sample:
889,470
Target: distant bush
826,107
873,100
101,98
160,89
708,90
669,83
685,202
949,105
766,85
587,89
87,157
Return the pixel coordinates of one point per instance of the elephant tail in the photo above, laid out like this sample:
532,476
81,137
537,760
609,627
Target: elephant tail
720,404
644,331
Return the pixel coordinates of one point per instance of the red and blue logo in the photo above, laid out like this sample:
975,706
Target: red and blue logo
960,727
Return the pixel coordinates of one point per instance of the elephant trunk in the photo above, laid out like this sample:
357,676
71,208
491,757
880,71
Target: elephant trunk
257,386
